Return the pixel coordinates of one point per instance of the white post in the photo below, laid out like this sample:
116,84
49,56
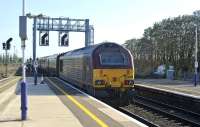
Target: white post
23,7
23,47
196,51
23,61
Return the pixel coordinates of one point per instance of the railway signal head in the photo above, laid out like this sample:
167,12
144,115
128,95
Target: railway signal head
4,46
8,45
9,40
64,40
44,40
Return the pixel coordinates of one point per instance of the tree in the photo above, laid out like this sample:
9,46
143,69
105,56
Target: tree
169,42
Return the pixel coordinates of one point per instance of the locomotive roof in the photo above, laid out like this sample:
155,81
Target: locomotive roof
89,49
85,50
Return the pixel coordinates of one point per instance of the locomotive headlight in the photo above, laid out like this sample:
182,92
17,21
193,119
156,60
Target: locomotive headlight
99,82
129,82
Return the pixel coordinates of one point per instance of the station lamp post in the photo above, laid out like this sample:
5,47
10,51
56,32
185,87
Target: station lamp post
23,36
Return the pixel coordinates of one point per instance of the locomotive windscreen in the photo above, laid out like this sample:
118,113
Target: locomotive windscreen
113,58
110,55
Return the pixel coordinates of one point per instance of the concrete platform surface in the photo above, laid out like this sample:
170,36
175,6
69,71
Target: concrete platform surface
69,108
185,87
90,111
8,88
44,109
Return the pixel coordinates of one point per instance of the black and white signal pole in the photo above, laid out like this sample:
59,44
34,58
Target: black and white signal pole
6,47
6,62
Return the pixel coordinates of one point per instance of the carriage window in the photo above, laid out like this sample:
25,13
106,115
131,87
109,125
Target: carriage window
113,58
61,65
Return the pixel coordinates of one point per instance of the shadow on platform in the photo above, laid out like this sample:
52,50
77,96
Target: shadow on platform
45,90
4,120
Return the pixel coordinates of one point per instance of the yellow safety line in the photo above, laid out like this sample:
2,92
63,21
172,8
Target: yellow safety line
82,107
9,82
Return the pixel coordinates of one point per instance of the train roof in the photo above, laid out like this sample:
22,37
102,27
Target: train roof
90,49
49,57
85,50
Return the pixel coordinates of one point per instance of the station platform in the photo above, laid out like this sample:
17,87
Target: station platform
7,90
61,105
176,86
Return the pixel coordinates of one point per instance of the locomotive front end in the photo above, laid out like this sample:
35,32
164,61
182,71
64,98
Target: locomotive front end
113,68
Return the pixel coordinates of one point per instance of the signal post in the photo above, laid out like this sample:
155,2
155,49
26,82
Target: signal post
6,47
63,26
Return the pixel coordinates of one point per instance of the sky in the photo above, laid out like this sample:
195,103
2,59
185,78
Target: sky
113,20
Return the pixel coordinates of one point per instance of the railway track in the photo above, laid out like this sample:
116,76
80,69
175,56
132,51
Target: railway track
7,83
180,115
148,116
137,117
176,106
155,113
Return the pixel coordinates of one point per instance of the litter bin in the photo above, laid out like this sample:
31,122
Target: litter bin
170,73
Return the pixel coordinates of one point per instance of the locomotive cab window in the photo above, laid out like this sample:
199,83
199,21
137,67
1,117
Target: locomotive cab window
113,58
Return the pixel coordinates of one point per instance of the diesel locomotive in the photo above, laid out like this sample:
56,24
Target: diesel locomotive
102,69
